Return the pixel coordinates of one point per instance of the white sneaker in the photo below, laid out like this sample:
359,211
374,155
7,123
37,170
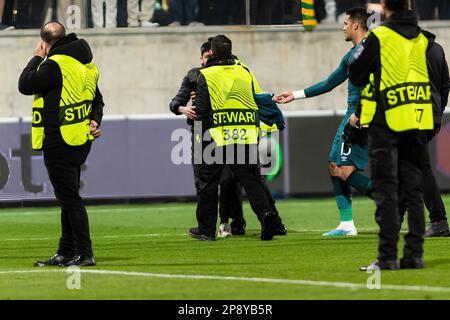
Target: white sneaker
196,24
343,229
5,27
148,24
224,230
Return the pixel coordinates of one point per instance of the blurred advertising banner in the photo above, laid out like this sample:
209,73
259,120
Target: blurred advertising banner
150,157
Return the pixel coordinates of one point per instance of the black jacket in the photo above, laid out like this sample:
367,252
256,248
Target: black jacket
439,77
368,61
183,96
188,85
48,82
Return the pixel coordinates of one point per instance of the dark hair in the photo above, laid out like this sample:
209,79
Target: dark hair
397,5
221,46
205,47
52,31
360,15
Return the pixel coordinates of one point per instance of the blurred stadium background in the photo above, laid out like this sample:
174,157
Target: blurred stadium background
140,71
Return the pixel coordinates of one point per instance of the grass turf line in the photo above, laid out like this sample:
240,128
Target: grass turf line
153,239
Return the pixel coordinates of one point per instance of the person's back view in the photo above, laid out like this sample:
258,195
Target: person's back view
439,78
67,112
228,113
396,107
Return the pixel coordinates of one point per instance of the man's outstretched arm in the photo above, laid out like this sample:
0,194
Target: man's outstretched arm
336,78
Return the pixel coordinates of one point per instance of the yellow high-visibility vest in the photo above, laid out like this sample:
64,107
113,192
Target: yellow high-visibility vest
79,83
234,110
368,102
256,86
404,90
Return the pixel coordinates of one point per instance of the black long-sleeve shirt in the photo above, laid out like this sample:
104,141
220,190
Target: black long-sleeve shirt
439,76
183,96
47,81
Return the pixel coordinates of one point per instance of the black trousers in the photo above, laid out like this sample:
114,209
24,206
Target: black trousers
397,163
268,195
427,9
431,193
249,175
64,168
266,11
30,14
230,198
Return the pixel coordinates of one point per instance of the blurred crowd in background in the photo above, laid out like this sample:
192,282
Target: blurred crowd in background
26,14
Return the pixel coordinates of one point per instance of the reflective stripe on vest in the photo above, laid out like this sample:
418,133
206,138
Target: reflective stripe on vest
404,90
234,110
37,125
79,84
368,102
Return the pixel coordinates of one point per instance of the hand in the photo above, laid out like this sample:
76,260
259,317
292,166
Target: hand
284,97
41,50
95,131
354,121
354,135
188,111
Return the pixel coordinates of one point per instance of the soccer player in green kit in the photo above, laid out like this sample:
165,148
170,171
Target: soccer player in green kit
346,161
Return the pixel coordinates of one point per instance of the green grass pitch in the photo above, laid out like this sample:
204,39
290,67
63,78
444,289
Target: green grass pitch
143,252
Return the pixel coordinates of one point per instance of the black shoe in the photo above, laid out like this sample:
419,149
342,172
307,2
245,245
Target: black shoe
412,263
268,226
280,229
438,229
381,265
80,261
196,234
237,228
55,260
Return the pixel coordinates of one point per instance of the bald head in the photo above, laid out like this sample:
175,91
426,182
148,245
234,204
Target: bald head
51,32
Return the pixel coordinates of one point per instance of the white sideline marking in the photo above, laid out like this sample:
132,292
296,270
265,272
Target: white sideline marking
96,237
175,234
349,285
55,210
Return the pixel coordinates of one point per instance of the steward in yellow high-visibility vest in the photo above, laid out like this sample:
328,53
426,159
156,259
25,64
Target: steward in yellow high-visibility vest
403,90
234,110
396,107
230,198
67,112
226,108
79,82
